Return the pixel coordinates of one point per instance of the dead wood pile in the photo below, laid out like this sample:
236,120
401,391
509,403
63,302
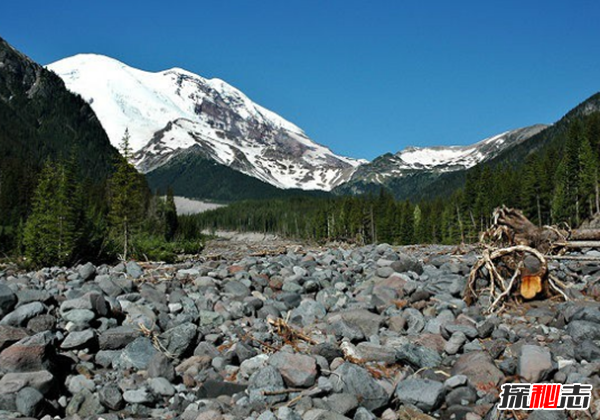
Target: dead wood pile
514,262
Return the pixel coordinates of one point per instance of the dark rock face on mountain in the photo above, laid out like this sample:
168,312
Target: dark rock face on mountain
41,119
194,174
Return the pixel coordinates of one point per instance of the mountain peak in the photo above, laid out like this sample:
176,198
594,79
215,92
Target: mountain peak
170,111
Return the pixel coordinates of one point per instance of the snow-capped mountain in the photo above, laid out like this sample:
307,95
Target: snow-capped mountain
425,172
171,111
441,159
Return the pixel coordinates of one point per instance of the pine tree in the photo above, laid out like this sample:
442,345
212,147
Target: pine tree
50,233
171,221
566,200
126,200
588,176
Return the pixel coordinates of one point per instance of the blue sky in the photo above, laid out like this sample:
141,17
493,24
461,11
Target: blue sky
362,77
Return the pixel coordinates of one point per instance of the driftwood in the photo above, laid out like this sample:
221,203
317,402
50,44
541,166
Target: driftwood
524,266
514,264
510,226
585,235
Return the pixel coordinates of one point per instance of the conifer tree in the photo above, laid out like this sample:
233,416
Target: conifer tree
126,200
171,221
588,176
50,233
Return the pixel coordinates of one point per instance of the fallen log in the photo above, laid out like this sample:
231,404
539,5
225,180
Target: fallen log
585,235
577,244
573,258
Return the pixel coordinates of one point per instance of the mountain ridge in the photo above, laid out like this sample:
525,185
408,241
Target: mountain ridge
414,168
169,111
41,120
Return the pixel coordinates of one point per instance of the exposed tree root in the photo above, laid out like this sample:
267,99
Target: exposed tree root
516,251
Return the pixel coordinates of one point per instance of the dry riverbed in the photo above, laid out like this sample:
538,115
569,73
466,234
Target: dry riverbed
268,329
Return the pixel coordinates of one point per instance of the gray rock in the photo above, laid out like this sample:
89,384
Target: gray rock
243,351
138,396
455,343
468,330
33,295
8,299
407,263
8,404
456,381
10,335
23,314
587,350
479,368
78,383
297,370
266,379
30,354
308,312
137,354
267,415
117,338
179,340
160,366
583,330
370,352
111,397
327,350
587,313
87,271
363,414
237,289
85,404
463,395
422,393
14,382
548,415
79,339
286,413
357,381
114,286
366,321
134,270
92,301
418,356
161,386
319,414
486,328
29,402
342,403
105,358
79,316
454,284
342,329
534,363
385,272
414,320
215,388
209,318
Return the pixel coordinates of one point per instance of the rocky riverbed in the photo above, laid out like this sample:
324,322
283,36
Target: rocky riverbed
359,333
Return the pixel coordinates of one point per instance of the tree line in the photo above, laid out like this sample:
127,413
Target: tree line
558,184
67,223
